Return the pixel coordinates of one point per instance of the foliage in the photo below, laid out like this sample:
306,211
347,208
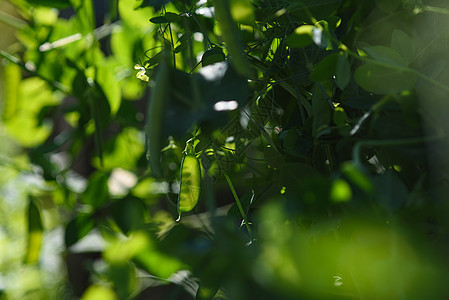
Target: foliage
264,149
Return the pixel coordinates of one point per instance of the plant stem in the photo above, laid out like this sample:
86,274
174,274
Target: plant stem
57,85
239,205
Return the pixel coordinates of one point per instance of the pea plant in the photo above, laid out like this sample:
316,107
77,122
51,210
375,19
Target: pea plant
226,149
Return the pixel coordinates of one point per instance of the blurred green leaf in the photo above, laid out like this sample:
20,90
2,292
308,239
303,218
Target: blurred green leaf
78,228
242,11
96,193
35,232
51,3
129,214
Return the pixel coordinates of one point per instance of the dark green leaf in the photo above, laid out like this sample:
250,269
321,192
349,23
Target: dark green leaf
172,17
78,228
392,191
321,109
212,56
159,20
325,69
156,4
129,214
342,71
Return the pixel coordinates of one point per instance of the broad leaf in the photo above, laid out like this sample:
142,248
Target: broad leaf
386,55
403,44
383,80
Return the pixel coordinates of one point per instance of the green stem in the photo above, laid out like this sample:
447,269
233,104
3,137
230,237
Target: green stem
12,21
239,205
392,142
57,85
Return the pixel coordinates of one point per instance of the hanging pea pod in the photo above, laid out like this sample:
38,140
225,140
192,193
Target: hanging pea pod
156,113
232,37
190,188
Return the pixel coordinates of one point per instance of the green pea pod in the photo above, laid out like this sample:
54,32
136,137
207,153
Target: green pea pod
232,37
190,188
156,113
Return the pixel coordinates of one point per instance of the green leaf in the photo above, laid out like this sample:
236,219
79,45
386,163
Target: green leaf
212,56
339,116
78,228
110,87
34,235
33,95
403,44
96,193
159,20
190,189
242,11
51,3
318,9
207,290
121,151
392,191
156,4
342,71
302,36
383,80
386,55
12,75
340,191
321,109
357,177
129,214
325,69
172,17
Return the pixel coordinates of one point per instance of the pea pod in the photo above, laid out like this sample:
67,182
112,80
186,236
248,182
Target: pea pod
158,103
190,188
232,37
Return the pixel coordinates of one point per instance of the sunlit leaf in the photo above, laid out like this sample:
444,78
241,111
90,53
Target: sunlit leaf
340,191
242,11
302,36
99,292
